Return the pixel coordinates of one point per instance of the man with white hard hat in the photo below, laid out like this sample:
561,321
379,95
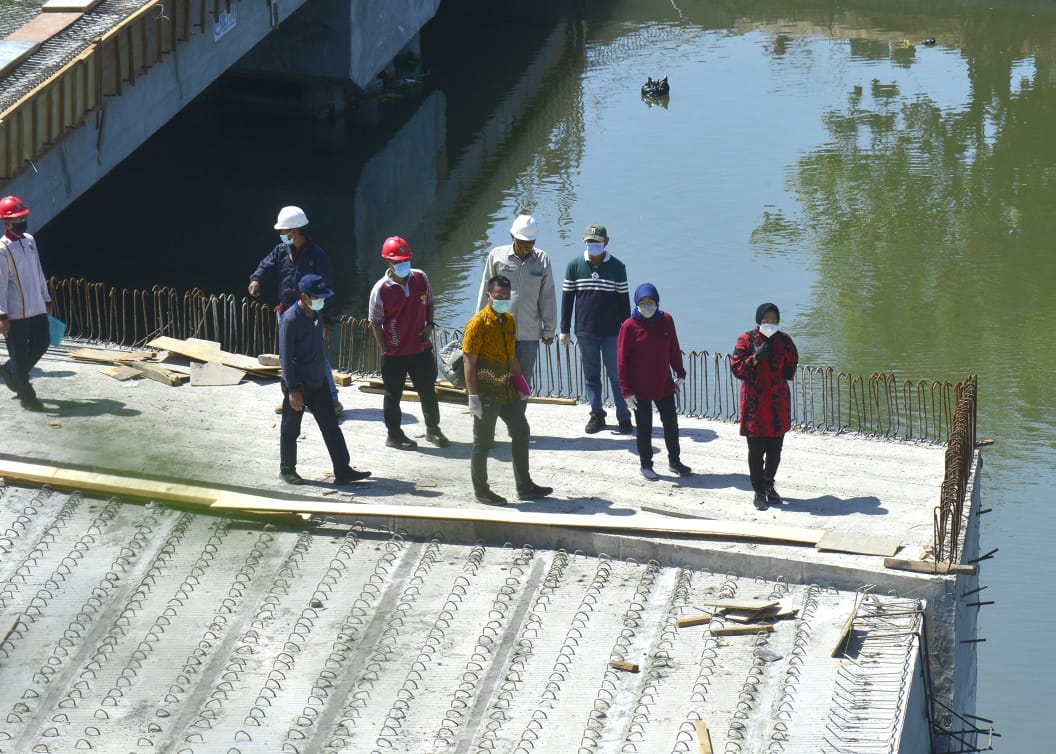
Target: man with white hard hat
534,306
294,257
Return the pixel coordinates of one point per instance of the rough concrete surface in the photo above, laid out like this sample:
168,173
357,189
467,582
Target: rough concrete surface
131,627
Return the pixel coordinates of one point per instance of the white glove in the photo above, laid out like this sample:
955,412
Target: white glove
632,402
680,383
475,406
564,339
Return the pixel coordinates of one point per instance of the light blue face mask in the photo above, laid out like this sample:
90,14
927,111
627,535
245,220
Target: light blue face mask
595,249
500,305
401,269
285,239
317,304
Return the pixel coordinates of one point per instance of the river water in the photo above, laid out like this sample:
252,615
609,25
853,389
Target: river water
895,198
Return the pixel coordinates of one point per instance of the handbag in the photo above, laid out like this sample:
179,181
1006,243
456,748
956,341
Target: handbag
451,363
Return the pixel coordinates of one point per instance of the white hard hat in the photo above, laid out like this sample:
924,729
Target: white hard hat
524,228
291,217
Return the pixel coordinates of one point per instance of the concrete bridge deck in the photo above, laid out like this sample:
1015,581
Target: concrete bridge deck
143,628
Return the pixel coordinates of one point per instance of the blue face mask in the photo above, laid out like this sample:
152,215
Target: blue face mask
500,305
285,239
317,304
595,249
402,269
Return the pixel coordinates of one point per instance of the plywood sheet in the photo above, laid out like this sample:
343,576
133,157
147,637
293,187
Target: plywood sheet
215,374
78,6
122,372
44,27
12,53
201,352
108,355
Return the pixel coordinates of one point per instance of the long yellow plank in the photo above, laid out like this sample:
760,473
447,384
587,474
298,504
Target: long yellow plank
203,352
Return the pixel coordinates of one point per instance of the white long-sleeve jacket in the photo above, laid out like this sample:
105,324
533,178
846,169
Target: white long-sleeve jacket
23,289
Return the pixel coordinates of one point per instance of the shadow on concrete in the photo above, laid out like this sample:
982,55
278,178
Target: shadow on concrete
384,487
695,435
573,506
830,505
92,407
590,442
705,481
362,415
35,373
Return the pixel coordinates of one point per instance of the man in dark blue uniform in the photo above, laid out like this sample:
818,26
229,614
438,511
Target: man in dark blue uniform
304,369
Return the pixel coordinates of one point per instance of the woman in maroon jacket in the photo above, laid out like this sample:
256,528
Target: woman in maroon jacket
765,359
647,353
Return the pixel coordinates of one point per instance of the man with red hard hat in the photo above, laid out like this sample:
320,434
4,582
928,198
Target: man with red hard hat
24,302
401,318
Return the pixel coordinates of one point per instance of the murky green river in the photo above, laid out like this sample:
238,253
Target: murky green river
895,198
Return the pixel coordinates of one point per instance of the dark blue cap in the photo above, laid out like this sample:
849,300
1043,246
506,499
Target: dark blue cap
315,286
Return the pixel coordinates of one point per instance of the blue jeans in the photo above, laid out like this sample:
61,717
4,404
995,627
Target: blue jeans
527,356
592,352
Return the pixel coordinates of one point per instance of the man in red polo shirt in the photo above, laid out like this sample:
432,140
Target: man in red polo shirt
401,317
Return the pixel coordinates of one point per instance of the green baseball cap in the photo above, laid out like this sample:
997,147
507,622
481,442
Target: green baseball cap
596,233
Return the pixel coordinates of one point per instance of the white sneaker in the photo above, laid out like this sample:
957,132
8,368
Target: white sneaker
649,474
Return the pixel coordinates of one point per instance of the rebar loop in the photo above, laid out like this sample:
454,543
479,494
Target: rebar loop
384,650
522,653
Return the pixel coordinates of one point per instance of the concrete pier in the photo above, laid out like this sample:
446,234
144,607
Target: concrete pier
155,629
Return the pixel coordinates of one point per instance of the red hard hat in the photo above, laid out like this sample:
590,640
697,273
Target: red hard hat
12,208
395,249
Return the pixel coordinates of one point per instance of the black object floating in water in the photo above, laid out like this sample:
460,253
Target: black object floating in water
657,88
929,41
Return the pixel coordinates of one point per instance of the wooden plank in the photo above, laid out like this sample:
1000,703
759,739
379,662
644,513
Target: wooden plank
44,27
110,355
9,630
743,605
215,374
268,359
122,372
703,737
214,344
160,374
341,379
845,633
630,667
930,566
663,510
764,628
697,620
14,52
75,6
862,544
214,355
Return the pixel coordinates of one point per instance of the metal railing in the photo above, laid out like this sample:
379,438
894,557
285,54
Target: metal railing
40,119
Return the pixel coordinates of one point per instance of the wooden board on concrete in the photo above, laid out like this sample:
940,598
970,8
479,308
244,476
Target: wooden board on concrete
742,605
211,373
703,737
160,374
268,359
630,667
207,353
845,633
44,27
697,620
214,344
122,372
109,356
13,52
342,379
863,544
77,6
663,510
929,566
763,628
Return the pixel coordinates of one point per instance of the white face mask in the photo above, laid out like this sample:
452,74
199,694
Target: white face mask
317,304
768,330
647,310
595,249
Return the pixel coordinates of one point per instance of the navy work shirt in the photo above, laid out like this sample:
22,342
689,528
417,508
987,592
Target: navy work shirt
313,261
302,353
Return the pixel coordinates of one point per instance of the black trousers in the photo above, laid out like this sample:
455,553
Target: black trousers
321,404
484,438
27,340
764,456
643,420
421,368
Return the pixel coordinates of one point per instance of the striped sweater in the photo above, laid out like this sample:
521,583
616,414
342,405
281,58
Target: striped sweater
599,296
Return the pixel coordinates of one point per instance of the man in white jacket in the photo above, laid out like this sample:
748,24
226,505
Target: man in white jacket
534,297
24,302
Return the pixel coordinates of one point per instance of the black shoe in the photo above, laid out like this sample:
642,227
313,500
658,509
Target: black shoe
436,437
595,424
760,501
32,403
626,428
772,497
8,378
290,476
533,492
350,475
401,443
487,497
679,468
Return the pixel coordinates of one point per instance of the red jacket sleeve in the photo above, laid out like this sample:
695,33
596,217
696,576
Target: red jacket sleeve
623,358
741,362
675,356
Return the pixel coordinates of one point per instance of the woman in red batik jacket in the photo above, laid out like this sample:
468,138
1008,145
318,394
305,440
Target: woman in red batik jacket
765,359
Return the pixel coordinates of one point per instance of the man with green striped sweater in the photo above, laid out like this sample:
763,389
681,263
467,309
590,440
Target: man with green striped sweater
595,288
